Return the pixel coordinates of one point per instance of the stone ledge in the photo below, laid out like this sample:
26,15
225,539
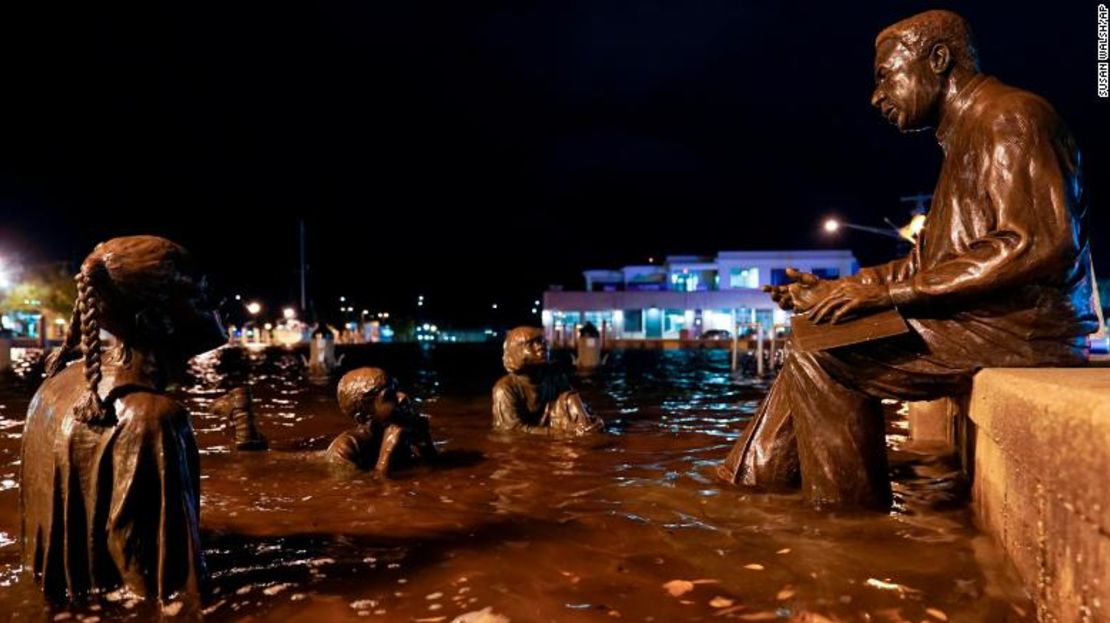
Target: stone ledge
1042,482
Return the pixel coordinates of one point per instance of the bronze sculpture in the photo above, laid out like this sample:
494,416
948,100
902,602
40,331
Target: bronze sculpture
1000,275
533,397
390,433
236,408
110,485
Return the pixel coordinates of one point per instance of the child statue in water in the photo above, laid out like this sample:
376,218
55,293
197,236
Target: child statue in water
534,398
110,485
390,433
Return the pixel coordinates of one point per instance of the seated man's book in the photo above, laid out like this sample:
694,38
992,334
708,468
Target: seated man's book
809,336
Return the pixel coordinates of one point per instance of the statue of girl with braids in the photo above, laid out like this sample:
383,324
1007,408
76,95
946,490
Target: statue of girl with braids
110,484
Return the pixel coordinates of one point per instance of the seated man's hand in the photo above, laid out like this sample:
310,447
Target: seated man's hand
805,291
781,296
849,297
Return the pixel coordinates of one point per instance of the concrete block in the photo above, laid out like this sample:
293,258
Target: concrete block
1056,422
1041,466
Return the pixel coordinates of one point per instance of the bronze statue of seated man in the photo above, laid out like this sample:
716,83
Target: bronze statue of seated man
535,398
1000,275
236,409
390,432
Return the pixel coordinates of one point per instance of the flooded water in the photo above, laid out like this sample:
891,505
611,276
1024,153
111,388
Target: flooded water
628,526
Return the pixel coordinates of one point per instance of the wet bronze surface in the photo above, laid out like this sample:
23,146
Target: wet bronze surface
1000,275
539,529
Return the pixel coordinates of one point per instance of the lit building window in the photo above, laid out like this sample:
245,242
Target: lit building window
693,281
674,320
743,278
633,320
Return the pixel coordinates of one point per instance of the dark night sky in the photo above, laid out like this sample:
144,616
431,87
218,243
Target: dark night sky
478,151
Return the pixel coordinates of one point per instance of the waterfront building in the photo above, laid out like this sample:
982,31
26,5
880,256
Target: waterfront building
685,296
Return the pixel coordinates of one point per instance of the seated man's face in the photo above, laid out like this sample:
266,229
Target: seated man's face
907,90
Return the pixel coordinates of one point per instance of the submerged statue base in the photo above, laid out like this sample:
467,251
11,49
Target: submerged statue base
236,408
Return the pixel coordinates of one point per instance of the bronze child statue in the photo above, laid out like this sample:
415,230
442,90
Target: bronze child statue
390,433
1000,275
236,409
110,484
533,397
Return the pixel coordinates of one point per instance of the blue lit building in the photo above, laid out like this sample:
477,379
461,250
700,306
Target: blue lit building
684,296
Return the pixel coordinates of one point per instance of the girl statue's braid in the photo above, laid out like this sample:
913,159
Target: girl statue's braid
56,362
93,409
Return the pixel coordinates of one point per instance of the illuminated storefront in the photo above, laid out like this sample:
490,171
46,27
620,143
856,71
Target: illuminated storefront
685,296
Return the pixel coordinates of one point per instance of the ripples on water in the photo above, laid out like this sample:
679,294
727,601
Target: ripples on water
630,525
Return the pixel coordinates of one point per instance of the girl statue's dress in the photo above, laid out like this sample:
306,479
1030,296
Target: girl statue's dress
112,504
110,493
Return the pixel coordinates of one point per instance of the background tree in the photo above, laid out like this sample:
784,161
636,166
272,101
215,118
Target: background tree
48,289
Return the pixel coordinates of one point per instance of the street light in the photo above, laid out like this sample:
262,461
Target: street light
833,225
289,313
5,278
254,307
914,227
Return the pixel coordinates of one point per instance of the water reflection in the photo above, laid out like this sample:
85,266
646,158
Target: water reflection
630,524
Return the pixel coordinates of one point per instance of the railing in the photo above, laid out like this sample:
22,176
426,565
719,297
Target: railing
773,344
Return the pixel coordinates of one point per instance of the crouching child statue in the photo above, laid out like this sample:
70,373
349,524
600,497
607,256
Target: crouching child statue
390,432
